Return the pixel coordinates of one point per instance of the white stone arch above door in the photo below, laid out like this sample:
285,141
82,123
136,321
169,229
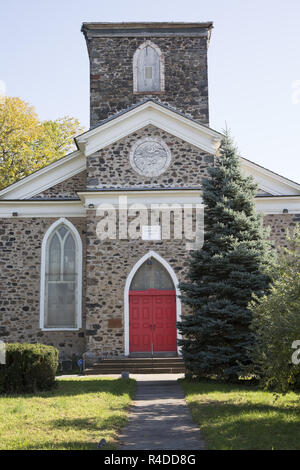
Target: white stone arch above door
138,264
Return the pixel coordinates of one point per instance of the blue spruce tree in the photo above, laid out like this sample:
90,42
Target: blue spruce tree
223,275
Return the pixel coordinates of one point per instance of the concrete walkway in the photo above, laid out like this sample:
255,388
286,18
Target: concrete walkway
160,418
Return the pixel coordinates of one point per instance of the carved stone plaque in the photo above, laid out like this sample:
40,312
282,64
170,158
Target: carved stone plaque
150,156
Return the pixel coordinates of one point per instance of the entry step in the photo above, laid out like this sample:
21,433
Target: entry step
161,365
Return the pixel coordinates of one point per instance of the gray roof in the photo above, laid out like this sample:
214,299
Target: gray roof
140,103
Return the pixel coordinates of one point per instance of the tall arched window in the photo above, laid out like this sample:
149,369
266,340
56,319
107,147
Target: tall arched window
61,277
148,69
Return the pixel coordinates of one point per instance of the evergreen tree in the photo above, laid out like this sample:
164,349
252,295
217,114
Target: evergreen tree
225,273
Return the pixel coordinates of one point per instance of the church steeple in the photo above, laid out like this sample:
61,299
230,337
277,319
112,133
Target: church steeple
133,61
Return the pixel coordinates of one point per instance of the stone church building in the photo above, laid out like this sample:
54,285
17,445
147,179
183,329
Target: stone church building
66,282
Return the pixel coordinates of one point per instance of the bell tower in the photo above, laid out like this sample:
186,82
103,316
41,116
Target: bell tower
130,62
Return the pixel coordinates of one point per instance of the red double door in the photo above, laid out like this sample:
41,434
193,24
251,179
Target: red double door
152,321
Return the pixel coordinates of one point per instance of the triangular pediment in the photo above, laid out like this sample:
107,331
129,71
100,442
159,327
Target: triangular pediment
142,115
129,121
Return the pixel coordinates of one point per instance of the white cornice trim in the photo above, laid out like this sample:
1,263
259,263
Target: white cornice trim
180,196
268,181
43,208
276,205
46,177
26,209
143,115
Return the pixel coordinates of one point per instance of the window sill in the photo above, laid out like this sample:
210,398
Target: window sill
60,329
149,92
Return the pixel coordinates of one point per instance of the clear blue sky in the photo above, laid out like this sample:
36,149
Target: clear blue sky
254,64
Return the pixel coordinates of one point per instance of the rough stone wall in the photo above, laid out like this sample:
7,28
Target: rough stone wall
111,168
111,75
109,264
20,263
278,224
66,189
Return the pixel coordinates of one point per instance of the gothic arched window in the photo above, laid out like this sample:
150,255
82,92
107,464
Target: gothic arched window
148,69
152,275
61,277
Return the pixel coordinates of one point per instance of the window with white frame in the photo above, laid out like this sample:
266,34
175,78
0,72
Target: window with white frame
148,69
61,277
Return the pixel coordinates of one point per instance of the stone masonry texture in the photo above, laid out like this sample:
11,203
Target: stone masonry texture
66,189
20,263
111,75
107,263
110,167
279,224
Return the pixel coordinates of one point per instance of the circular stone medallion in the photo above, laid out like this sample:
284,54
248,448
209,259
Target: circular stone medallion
150,156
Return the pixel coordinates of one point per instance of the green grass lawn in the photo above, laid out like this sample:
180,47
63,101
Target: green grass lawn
237,417
75,415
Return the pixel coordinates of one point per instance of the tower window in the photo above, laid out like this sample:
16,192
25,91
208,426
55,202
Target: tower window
148,69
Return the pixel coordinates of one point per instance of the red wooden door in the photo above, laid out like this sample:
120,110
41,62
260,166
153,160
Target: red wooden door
152,320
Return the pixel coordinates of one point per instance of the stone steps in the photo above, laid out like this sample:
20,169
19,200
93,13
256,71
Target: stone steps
164,365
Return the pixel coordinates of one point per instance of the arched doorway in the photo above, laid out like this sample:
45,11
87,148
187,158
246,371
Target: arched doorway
151,307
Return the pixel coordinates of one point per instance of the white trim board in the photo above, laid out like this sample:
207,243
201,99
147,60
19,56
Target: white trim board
25,209
141,116
150,254
41,209
269,181
146,197
276,205
46,177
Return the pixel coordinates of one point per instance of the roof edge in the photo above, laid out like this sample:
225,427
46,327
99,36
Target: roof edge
145,25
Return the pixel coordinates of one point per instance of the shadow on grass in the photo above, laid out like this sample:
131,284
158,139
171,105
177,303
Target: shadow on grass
68,445
73,387
102,427
247,427
90,424
214,385
240,421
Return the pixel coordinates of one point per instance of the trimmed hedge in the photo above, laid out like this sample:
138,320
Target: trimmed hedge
28,368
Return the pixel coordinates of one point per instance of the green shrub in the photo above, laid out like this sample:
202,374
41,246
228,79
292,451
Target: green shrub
276,323
28,368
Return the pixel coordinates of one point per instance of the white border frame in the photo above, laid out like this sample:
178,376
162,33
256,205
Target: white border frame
165,264
73,229
161,72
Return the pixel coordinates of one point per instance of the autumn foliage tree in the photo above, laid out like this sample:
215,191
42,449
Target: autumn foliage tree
26,143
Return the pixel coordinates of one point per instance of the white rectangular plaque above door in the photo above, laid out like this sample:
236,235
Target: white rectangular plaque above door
151,232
